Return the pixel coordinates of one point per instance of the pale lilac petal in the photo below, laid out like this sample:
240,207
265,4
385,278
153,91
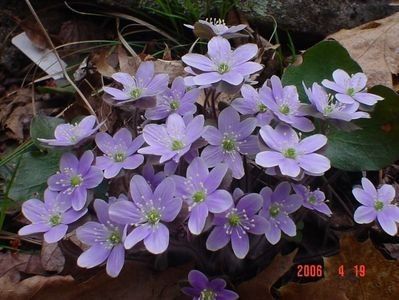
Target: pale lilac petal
93,178
323,208
164,191
365,215
105,142
158,240
68,160
273,235
56,233
369,187
71,215
137,235
233,77
85,162
235,163
172,209
228,119
363,197
124,212
260,225
245,106
197,171
333,86
346,99
197,279
93,256
251,203
245,128
122,137
312,143
113,170
157,85
387,223
145,73
132,162
115,261
219,201
367,98
197,219
314,163
198,61
269,159
139,189
218,49
117,94
92,232
34,210
291,203
101,207
34,228
63,132
247,68
291,168
240,243
86,124
358,81
249,146
217,239
244,53
266,194
287,225
124,78
341,77
79,197
212,135
194,129
207,78
212,155
302,123
156,135
386,193
215,177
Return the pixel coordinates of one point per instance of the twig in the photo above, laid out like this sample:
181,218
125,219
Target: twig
91,110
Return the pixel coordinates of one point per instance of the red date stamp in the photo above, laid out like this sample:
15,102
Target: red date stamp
309,271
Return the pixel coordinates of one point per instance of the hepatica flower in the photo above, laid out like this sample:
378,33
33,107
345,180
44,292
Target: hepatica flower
199,191
377,204
212,27
118,152
173,140
75,178
277,206
290,154
327,107
252,103
285,104
72,134
350,89
144,84
174,100
51,217
222,64
105,239
204,289
231,139
314,200
235,224
148,212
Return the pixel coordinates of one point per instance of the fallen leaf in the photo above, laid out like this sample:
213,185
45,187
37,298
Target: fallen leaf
375,46
51,257
258,288
14,263
100,60
172,67
380,281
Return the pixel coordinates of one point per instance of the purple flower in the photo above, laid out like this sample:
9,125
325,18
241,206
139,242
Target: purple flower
143,84
276,207
284,103
235,224
199,191
118,152
51,216
222,64
173,140
212,27
377,204
146,212
152,178
326,107
105,239
203,289
72,134
174,100
75,178
229,141
351,89
314,200
252,103
290,154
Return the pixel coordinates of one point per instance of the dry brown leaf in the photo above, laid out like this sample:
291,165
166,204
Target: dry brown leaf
35,34
172,67
380,282
258,288
375,46
100,60
51,257
11,264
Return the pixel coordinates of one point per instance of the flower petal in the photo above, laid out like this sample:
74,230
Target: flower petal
92,232
364,215
269,159
126,79
363,197
219,201
314,163
235,163
93,256
387,223
115,261
244,53
260,225
369,188
34,210
367,98
56,233
197,279
198,215
212,135
158,240
290,167
139,189
217,239
386,193
124,212
215,177
137,235
117,94
145,73
198,61
34,228
240,243
251,203
71,215
219,49
228,119
212,155
273,234
232,77
312,143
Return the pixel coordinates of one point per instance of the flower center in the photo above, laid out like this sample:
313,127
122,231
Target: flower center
350,91
262,108
312,199
76,180
199,196
207,295
119,157
174,105
228,144
55,220
378,205
234,219
328,110
290,153
135,93
153,217
284,109
274,211
177,145
223,68
115,238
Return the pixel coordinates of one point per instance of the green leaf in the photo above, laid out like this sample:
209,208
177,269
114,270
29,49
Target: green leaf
32,173
319,62
374,146
43,127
